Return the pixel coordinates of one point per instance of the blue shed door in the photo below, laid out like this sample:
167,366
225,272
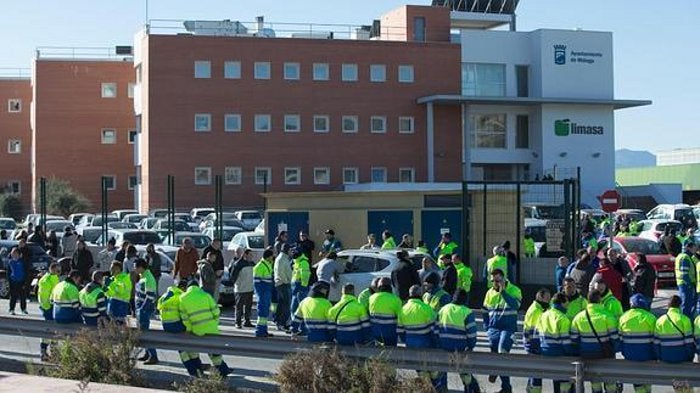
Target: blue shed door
292,222
435,222
397,222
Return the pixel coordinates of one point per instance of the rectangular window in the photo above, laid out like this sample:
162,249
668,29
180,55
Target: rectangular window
15,187
406,74
233,175
130,90
291,71
109,90
232,122
522,132
202,176
483,80
14,105
133,182
232,70
378,124
406,125
263,175
322,176
202,69
349,73
292,123
378,174
14,146
321,123
377,73
263,123
419,29
321,72
350,124
350,175
488,131
262,70
292,176
109,136
522,75
133,134
202,122
407,175
110,182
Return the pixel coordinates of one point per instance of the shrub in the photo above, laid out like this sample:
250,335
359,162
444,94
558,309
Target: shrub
62,199
11,206
212,382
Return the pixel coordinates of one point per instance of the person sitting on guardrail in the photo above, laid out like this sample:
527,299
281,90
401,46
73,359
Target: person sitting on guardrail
263,285
66,299
311,317
384,310
434,295
93,303
637,334
553,329
531,341
145,299
501,303
456,331
45,287
348,320
118,292
673,335
575,301
364,296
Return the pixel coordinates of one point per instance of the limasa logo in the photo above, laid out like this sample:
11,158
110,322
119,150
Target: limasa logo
560,54
565,127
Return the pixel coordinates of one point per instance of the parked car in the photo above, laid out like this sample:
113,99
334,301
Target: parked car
76,217
59,226
134,218
178,225
90,234
200,241
123,212
249,218
158,213
630,246
36,219
134,236
198,213
595,214
229,219
148,223
122,225
634,214
96,220
8,224
653,229
679,212
228,234
255,241
261,227
40,261
188,219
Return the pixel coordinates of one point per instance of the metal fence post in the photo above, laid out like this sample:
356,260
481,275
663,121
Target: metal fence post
578,377
568,247
466,238
105,206
219,207
483,221
518,235
42,200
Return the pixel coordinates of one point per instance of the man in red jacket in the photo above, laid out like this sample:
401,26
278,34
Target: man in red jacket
612,278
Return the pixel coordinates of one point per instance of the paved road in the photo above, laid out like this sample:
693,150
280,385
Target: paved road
248,372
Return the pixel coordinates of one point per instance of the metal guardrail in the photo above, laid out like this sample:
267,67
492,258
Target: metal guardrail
515,365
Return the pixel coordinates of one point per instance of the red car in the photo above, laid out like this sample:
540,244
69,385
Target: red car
663,263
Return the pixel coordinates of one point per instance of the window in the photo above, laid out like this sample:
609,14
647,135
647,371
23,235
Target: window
263,175
263,123
350,175
522,132
233,175
202,69
14,105
262,70
378,175
291,71
488,131
109,136
377,73
321,72
419,29
110,182
133,182
109,90
368,264
133,134
522,75
349,73
232,122
322,175
406,125
350,124
292,123
202,175
14,146
321,123
202,122
488,80
130,90
407,175
292,176
15,187
378,124
406,74
232,70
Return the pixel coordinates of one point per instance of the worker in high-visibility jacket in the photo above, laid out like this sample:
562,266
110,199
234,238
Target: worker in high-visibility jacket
446,246
686,278
263,285
501,303
531,341
168,307
673,334
434,295
553,331
118,292
384,310
389,242
200,315
93,303
497,262
417,327
348,320
464,274
364,296
697,334
637,334
575,302
145,302
66,299
594,334
301,273
311,317
45,287
529,245
608,300
456,331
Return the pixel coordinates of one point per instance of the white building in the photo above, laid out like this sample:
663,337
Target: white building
678,157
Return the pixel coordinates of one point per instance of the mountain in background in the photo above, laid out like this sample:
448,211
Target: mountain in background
625,158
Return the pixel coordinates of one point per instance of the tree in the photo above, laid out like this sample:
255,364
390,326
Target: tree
62,199
11,206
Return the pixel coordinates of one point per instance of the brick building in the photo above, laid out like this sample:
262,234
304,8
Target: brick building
15,100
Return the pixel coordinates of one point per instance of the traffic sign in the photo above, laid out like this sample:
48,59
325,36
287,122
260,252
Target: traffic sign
610,201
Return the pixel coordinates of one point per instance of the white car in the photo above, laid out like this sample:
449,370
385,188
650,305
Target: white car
148,222
121,213
134,218
228,234
229,220
679,212
198,213
653,229
8,224
58,226
254,241
134,236
249,218
200,241
76,217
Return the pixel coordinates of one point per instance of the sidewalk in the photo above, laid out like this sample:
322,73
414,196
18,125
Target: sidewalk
11,383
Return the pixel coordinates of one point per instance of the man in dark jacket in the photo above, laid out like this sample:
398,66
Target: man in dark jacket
82,261
582,272
404,275
217,265
670,242
449,275
644,281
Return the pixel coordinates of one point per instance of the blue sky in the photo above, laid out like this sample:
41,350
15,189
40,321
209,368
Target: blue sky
655,47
